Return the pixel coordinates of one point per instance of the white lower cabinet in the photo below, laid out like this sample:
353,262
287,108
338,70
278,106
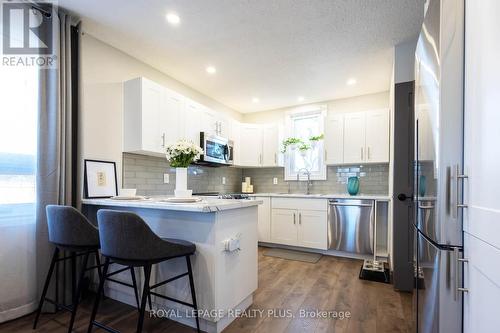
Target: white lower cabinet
312,230
284,226
264,222
292,223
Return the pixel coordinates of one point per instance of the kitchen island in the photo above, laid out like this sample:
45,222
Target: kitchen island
224,280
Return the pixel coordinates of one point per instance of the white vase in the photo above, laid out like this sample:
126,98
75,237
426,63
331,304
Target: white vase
181,190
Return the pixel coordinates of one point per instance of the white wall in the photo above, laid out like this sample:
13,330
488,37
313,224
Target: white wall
351,104
404,61
103,71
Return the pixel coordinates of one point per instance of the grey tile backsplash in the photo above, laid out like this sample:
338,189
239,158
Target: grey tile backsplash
145,173
374,179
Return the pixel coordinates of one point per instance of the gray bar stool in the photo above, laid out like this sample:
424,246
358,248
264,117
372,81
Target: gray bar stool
126,239
70,231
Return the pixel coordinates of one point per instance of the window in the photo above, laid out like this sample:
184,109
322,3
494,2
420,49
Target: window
18,144
307,155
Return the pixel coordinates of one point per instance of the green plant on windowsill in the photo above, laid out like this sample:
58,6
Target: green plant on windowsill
292,142
317,138
303,148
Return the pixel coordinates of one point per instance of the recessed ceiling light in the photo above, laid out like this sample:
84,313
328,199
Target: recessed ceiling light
255,100
300,98
173,18
352,81
211,70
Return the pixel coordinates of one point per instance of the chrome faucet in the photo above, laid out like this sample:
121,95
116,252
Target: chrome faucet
308,184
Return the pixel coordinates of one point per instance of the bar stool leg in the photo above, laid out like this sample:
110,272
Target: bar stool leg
46,286
99,272
98,296
134,283
145,294
78,291
193,293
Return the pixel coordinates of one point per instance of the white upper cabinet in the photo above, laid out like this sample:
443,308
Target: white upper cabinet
354,137
377,136
171,117
258,145
192,121
251,145
144,128
155,116
334,139
208,121
236,137
270,146
223,126
366,137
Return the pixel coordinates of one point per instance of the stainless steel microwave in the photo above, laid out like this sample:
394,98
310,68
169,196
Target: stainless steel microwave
217,150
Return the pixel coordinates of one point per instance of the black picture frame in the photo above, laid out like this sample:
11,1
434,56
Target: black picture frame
86,180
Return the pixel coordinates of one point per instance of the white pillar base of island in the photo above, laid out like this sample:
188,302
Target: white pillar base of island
224,281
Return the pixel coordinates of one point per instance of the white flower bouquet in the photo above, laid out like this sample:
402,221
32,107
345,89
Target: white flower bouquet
182,153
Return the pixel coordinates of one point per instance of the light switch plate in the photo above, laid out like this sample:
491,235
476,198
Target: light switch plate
275,180
223,180
166,178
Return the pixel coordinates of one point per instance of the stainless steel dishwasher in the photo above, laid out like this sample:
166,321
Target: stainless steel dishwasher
351,223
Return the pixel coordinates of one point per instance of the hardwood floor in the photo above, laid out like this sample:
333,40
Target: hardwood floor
286,287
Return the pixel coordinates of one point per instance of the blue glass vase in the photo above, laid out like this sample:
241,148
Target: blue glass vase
422,185
353,185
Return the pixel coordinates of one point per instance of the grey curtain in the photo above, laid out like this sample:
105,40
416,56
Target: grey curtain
55,179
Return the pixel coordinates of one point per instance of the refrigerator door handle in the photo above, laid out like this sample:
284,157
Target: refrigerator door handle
459,177
458,260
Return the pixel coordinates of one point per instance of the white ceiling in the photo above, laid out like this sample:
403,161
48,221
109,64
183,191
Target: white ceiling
275,50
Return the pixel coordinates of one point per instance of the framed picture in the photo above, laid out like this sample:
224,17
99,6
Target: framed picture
99,179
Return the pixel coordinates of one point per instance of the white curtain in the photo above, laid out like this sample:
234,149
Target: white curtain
35,168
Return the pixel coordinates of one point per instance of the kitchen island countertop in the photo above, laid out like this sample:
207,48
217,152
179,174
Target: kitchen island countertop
206,205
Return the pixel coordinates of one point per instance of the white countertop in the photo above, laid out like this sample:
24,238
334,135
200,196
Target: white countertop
207,205
324,196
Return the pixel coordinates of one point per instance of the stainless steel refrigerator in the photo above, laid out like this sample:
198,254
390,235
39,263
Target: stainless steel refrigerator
438,168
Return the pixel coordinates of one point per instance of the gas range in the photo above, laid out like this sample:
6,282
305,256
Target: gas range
235,196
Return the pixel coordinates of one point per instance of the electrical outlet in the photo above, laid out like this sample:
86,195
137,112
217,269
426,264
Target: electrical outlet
275,180
223,180
166,178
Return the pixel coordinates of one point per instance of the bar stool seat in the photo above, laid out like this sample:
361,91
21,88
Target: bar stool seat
70,231
125,238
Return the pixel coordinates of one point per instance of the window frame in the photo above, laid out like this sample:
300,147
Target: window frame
310,110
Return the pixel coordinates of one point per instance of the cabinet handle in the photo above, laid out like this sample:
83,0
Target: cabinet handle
275,158
163,140
300,218
362,153
294,218
368,152
459,177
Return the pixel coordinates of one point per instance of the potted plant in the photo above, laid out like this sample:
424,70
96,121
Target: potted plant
303,148
315,139
180,155
290,142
